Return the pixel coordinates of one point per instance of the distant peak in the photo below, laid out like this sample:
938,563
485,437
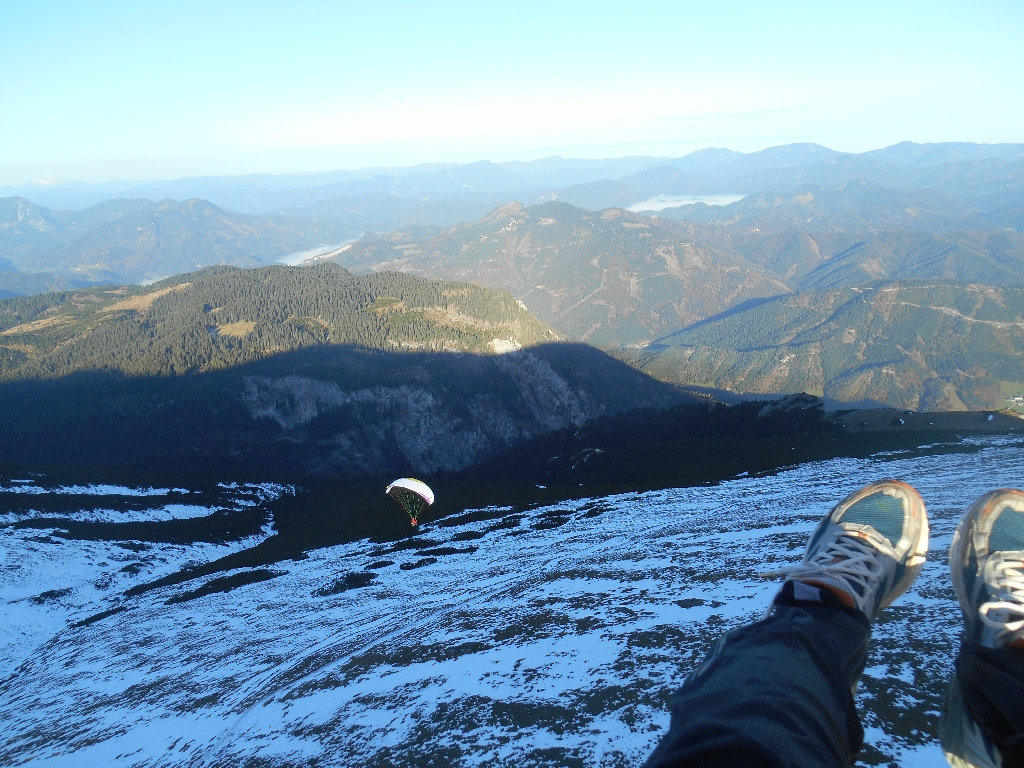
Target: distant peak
504,210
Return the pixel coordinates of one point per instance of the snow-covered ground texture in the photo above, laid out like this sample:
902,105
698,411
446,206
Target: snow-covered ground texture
496,638
49,582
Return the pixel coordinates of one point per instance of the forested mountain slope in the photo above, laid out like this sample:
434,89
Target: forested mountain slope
809,260
224,316
916,344
13,284
857,233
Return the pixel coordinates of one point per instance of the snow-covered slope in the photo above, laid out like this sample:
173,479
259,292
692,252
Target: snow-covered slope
552,637
49,582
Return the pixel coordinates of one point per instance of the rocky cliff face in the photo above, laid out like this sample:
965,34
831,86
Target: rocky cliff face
330,410
426,426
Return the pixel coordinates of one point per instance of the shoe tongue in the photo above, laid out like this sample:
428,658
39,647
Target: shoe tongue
882,512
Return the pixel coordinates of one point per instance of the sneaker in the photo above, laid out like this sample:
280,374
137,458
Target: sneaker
986,563
869,549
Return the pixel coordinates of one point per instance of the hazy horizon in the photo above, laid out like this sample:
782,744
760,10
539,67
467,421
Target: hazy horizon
120,91
365,171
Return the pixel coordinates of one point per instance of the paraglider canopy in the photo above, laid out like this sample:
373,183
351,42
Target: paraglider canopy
413,495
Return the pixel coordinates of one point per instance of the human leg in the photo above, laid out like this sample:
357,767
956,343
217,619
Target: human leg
775,693
779,692
983,716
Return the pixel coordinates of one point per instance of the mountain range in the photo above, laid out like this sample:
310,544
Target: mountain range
223,221
138,240
621,278
858,206
992,183
716,169
811,225
268,193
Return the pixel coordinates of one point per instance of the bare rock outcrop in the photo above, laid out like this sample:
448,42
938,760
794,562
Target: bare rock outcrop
455,411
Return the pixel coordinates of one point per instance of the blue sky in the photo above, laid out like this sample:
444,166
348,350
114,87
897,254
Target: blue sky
100,91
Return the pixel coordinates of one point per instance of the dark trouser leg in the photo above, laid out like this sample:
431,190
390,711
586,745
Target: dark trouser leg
992,685
774,693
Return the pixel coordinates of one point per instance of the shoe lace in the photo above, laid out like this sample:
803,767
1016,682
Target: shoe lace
850,557
1004,576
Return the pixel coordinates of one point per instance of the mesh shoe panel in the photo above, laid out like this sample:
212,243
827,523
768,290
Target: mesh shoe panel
882,512
870,546
1007,531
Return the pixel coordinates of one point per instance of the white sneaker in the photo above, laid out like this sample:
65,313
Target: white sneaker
870,547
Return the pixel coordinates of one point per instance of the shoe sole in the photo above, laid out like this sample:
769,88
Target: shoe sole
974,517
917,552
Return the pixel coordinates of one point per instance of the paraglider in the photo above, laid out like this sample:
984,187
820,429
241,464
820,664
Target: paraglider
413,495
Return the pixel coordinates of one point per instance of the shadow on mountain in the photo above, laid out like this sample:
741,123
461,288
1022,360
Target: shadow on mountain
743,306
326,411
